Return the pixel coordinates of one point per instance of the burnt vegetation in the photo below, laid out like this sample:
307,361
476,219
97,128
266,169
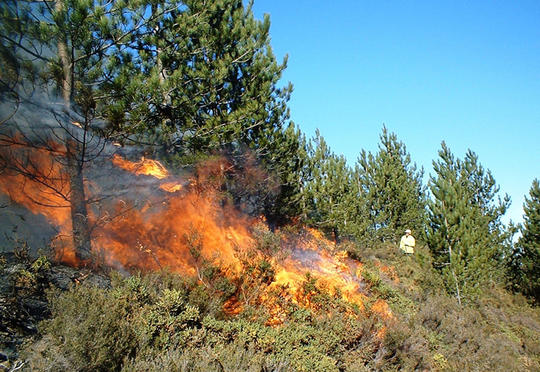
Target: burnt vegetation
247,247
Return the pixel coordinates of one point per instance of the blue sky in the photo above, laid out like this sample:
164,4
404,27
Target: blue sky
466,72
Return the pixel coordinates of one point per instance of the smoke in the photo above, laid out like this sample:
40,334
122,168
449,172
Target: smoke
143,217
35,137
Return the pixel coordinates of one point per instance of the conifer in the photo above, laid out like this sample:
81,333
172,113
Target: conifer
330,190
392,189
465,233
527,255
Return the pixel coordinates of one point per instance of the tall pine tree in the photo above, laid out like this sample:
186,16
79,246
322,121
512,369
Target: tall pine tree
204,79
184,77
465,233
526,268
331,192
392,189
62,46
203,76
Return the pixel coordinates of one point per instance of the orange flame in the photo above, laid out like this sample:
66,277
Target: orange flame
147,167
173,235
34,178
191,225
171,186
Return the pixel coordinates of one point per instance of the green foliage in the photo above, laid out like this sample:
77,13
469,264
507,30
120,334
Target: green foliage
330,191
161,321
30,278
136,312
392,188
203,76
74,44
41,264
465,232
382,195
526,257
266,242
155,322
285,156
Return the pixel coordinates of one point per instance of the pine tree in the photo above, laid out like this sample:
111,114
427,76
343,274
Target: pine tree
527,255
285,158
29,28
71,48
185,77
204,79
330,191
204,76
465,233
75,44
392,189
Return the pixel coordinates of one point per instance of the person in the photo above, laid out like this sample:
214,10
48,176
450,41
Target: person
407,242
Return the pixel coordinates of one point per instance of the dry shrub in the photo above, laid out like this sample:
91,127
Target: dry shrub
164,322
404,349
154,322
466,337
219,358
500,332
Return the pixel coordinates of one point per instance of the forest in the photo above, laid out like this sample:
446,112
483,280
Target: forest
160,211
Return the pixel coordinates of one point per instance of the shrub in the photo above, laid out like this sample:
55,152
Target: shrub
162,321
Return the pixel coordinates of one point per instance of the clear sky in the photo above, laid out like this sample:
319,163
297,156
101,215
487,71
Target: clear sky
466,72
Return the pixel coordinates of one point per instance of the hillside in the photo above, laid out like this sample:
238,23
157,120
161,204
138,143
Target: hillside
166,321
204,286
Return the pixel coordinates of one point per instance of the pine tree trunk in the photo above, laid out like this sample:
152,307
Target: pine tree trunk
67,81
75,159
458,292
79,213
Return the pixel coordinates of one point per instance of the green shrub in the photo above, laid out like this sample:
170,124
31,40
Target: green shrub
164,322
154,322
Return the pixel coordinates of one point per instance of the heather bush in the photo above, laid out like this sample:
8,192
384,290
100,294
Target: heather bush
442,335
155,322
498,332
164,322
90,330
219,358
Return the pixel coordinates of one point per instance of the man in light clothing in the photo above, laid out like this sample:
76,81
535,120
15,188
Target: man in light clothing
407,242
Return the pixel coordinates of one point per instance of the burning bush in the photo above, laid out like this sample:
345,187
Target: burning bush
156,321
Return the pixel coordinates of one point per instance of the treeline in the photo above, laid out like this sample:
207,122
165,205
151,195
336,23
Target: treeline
457,215
186,79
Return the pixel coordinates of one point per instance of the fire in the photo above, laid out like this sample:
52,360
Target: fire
185,224
35,179
174,235
312,258
144,166
381,308
333,270
389,271
171,186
